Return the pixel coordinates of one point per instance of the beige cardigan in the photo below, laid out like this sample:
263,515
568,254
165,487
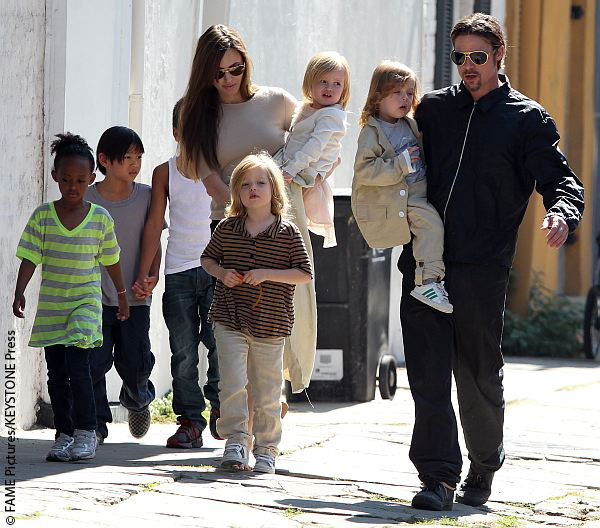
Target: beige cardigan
379,188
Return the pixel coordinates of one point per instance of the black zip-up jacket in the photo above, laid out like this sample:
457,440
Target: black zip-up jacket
511,148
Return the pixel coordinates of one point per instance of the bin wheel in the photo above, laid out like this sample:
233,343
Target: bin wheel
591,325
387,377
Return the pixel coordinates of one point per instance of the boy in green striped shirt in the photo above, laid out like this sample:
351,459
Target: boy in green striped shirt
70,238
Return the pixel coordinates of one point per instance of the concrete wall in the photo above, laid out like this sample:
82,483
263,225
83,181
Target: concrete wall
21,177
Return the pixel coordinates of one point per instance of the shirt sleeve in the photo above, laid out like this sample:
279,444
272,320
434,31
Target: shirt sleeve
30,245
109,247
214,248
326,125
561,190
298,255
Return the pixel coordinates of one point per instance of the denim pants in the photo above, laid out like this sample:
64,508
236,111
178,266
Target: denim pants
129,341
186,301
468,343
70,388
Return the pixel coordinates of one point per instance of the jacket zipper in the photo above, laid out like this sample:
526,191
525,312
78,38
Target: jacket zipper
459,161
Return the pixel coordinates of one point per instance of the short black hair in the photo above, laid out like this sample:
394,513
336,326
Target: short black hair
69,145
114,144
176,111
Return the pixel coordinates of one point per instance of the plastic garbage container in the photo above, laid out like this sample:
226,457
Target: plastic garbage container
353,293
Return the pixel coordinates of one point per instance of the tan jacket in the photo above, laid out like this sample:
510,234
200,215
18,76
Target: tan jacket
379,188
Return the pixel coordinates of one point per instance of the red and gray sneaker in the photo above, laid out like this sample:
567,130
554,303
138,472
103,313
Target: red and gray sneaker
215,413
188,435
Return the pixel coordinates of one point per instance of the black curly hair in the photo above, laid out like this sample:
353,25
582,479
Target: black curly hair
69,145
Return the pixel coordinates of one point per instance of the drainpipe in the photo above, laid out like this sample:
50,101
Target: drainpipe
136,75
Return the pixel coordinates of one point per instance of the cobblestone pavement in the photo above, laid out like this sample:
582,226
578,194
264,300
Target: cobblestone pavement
342,465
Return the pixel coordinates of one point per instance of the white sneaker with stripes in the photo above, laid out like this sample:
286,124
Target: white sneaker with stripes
434,295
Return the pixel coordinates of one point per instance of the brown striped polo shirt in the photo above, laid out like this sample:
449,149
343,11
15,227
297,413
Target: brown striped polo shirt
266,310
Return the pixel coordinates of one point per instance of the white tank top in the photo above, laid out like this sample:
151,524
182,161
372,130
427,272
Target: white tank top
189,221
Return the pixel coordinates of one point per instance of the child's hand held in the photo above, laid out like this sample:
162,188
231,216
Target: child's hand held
138,290
149,284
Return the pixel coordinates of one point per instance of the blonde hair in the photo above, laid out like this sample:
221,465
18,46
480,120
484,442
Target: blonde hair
262,160
387,76
325,62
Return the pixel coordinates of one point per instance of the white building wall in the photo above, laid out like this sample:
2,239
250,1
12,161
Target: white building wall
21,179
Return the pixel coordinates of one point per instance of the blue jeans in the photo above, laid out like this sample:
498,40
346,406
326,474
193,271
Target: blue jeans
133,360
186,301
70,388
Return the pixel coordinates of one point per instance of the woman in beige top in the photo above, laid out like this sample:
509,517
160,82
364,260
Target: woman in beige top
223,118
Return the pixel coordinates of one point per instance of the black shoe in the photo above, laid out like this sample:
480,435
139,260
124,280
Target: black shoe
215,413
434,497
139,422
476,489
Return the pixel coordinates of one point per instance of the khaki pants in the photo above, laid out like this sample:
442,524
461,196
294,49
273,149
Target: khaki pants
428,234
258,361
301,346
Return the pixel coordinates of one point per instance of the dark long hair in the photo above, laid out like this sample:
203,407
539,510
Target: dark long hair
201,108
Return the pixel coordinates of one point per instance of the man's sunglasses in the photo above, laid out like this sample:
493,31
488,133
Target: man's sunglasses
236,70
479,58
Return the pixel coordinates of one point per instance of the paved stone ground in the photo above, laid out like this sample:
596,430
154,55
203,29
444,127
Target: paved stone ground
343,465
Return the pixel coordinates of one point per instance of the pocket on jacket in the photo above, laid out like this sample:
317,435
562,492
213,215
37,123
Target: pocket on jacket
371,212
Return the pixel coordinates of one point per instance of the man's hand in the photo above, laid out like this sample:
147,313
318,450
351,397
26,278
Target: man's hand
256,276
558,230
231,278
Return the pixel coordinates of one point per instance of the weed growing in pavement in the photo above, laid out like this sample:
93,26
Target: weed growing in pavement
510,521
161,410
292,512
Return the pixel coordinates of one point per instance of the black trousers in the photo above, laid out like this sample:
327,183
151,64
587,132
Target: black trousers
468,343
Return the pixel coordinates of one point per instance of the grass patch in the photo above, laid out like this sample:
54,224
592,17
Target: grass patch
570,494
292,512
28,516
385,498
150,487
161,410
510,521
444,521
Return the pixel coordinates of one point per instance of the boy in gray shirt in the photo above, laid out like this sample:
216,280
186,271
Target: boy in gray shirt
119,158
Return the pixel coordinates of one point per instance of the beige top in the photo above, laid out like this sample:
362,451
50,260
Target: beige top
257,124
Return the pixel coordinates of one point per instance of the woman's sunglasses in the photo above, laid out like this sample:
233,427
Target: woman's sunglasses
479,58
236,70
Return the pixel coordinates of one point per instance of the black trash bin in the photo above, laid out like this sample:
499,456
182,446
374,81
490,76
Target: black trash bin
353,297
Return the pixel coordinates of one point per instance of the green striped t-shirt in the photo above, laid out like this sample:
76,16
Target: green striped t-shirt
69,310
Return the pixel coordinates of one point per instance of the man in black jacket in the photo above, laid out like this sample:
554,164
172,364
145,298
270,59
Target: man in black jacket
487,147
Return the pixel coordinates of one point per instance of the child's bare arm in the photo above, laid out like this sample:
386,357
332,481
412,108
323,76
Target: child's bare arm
287,276
26,270
229,277
154,223
114,271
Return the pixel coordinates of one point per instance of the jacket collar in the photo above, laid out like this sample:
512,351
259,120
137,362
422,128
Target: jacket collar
239,226
484,104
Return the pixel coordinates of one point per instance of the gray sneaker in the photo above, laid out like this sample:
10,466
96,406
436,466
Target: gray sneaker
59,452
264,464
235,457
84,445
